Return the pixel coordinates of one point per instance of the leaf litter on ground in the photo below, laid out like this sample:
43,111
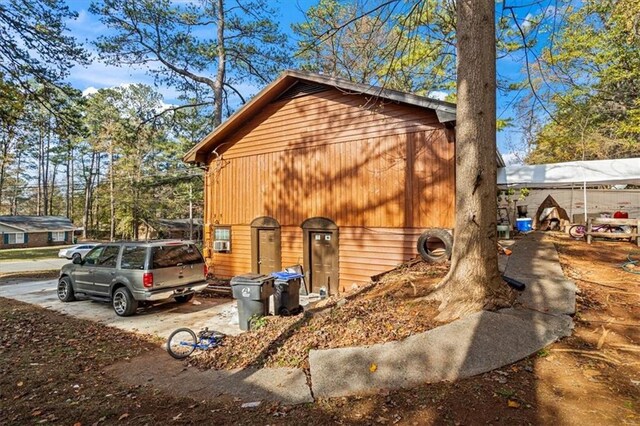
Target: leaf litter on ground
390,309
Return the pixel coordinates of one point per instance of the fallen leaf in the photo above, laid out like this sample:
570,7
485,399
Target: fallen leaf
513,404
124,416
36,413
373,367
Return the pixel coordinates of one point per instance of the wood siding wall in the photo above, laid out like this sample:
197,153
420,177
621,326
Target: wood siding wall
382,173
364,252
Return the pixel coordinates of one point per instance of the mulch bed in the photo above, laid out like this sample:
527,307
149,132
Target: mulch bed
391,309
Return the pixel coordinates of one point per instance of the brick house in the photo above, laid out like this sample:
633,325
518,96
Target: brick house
35,231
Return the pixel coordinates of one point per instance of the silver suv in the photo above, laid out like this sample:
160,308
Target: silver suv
131,273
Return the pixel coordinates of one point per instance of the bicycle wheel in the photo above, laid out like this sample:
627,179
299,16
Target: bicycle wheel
182,343
577,231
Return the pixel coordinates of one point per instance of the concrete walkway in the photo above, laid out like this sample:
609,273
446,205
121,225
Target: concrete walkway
159,370
472,345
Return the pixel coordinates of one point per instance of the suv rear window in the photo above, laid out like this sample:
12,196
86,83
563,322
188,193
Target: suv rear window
133,257
169,256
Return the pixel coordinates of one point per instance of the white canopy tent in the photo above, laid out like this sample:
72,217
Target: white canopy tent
570,174
597,172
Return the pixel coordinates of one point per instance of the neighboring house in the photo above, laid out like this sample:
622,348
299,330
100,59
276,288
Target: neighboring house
182,229
339,177
35,231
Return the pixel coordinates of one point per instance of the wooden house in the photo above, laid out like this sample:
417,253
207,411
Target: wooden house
337,176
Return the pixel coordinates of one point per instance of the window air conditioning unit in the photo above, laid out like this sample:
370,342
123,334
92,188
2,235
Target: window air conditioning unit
221,246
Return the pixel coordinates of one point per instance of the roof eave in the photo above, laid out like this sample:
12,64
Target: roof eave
12,226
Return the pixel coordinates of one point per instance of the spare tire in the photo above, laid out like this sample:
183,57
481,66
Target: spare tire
434,245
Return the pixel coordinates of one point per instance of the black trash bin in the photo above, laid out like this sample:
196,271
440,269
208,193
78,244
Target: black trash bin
252,292
286,293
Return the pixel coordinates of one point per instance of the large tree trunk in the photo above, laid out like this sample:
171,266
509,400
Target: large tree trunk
474,282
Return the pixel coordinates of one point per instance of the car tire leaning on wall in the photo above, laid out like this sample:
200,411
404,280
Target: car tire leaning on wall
439,238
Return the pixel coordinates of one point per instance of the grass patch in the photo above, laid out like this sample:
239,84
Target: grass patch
8,255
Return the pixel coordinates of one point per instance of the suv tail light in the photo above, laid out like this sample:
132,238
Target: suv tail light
206,270
147,279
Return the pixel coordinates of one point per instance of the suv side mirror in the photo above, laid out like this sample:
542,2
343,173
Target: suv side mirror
77,260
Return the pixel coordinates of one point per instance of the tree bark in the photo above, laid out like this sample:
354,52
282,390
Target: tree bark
68,195
88,193
222,58
474,282
3,163
112,200
52,190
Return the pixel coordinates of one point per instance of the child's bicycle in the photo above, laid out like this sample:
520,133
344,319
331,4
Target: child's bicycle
183,342
577,231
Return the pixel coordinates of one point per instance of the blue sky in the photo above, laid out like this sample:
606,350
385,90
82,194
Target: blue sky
99,75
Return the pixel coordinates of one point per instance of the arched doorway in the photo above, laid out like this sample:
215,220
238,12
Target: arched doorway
265,245
320,245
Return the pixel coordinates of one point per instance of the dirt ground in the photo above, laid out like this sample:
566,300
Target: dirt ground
387,310
52,370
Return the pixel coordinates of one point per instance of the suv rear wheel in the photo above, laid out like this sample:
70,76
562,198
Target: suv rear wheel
123,302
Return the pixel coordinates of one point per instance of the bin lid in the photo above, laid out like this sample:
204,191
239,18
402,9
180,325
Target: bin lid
255,279
284,275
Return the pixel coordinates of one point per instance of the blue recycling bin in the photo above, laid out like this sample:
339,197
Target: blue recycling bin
286,293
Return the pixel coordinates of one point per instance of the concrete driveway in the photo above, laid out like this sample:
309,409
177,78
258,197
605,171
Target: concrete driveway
218,314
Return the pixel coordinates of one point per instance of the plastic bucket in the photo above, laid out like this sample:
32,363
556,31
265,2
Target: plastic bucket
524,224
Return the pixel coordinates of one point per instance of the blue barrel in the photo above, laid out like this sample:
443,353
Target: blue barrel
523,224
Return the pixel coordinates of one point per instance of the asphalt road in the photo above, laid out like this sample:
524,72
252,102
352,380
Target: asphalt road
32,265
218,314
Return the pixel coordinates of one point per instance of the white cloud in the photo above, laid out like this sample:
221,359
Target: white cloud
437,94
527,22
89,91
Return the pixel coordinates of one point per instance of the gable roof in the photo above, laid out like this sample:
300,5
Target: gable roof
38,223
445,111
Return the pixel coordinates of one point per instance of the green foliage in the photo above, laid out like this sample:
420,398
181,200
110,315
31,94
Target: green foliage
34,43
412,50
594,63
257,322
204,51
142,153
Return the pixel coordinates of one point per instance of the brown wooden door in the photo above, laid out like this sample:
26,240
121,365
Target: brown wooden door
323,261
267,253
